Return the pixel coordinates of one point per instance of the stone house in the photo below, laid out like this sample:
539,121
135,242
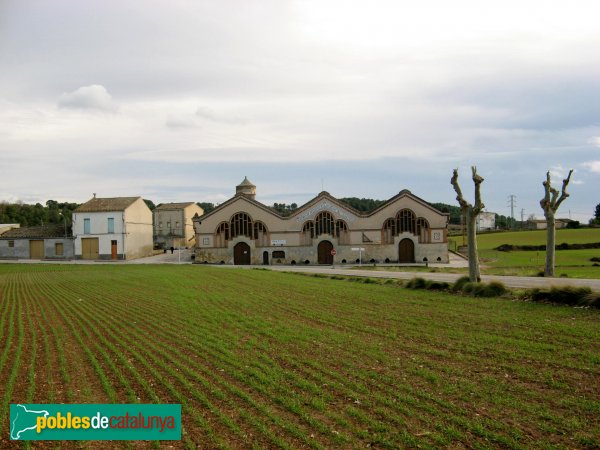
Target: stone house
405,229
52,241
173,225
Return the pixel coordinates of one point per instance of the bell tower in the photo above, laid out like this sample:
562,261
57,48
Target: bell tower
246,188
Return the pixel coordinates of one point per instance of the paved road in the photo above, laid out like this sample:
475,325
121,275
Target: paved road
514,282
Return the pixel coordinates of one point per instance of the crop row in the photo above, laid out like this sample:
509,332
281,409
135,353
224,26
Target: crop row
275,360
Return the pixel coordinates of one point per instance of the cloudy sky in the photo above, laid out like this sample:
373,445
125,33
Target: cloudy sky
179,100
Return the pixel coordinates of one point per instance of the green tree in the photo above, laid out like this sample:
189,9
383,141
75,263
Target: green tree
207,207
362,204
150,204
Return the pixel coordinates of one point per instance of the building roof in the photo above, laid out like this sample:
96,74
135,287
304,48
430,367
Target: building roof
320,196
170,206
54,230
246,182
106,204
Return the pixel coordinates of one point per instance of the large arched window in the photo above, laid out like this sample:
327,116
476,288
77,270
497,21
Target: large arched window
423,230
308,232
241,225
260,234
406,221
341,232
324,224
390,229
222,235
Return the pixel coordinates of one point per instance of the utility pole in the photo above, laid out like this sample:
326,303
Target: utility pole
522,217
512,200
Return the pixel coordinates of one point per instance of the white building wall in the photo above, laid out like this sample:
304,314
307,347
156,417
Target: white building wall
99,229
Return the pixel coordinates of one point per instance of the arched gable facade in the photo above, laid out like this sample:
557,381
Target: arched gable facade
295,239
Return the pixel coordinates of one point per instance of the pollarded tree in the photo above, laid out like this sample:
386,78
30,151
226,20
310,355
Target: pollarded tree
470,213
550,204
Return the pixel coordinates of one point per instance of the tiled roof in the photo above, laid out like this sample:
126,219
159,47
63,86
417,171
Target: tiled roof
45,231
106,204
169,206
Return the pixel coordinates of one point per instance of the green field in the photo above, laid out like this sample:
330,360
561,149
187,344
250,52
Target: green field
272,360
489,241
572,263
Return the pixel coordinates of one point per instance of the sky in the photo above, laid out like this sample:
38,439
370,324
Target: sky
180,100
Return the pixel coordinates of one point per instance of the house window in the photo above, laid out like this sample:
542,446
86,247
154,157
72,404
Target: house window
11,243
278,254
86,226
59,249
111,225
159,224
169,225
205,241
176,225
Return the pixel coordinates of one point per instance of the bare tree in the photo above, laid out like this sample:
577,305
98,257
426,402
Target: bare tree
550,204
470,213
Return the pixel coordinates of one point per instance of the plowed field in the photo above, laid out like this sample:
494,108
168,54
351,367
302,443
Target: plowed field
272,360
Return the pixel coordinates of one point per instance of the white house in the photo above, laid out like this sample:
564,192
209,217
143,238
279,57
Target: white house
112,228
486,221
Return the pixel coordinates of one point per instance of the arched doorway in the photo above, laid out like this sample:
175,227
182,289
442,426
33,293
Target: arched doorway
324,252
265,258
406,251
241,254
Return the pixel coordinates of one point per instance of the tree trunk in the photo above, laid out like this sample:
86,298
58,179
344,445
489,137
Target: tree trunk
474,273
550,244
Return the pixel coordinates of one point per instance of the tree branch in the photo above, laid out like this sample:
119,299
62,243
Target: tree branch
564,194
477,179
545,202
459,196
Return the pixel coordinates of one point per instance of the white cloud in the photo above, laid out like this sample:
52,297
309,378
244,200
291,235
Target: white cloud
94,97
209,114
593,166
595,141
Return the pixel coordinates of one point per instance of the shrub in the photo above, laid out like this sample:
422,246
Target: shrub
437,285
592,299
469,288
567,295
416,283
458,284
492,289
595,259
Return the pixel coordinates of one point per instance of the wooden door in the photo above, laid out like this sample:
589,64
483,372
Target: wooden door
406,251
36,249
324,252
241,254
113,249
266,258
89,248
